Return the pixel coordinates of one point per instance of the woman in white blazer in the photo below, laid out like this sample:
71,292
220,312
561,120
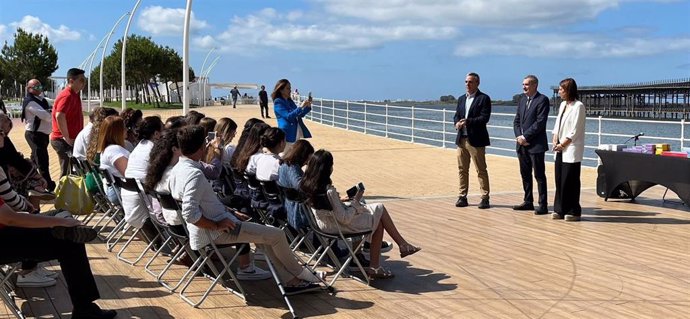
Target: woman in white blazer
569,146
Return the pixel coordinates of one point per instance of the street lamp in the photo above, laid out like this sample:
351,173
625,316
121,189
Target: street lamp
203,65
105,46
124,49
185,58
204,78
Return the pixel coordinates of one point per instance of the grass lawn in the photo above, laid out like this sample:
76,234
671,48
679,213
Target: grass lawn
143,106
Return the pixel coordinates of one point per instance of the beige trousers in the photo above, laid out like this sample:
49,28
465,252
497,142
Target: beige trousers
274,244
465,153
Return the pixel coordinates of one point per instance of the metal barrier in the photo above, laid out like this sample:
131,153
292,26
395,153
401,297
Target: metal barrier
433,126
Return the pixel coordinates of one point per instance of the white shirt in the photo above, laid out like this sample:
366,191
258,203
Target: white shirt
188,184
468,103
111,154
251,166
33,110
138,161
267,167
81,142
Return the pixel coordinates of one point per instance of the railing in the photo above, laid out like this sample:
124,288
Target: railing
434,126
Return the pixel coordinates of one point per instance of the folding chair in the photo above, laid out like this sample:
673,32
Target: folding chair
257,199
130,184
178,236
7,289
296,197
228,181
118,214
100,197
205,260
329,238
273,196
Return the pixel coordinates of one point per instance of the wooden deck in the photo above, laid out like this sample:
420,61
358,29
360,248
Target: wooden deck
624,260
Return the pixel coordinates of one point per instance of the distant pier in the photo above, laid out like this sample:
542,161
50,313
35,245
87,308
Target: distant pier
667,99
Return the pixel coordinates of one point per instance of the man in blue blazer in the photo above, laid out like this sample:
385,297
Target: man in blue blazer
472,114
529,127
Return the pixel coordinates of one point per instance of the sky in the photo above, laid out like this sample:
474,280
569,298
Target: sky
387,49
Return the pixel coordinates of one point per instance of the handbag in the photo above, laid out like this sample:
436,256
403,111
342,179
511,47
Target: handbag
73,196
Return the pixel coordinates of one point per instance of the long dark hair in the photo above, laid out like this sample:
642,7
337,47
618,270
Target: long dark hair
317,177
250,147
280,85
160,158
298,154
243,138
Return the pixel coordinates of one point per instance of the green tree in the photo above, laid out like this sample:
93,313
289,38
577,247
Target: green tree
146,62
30,56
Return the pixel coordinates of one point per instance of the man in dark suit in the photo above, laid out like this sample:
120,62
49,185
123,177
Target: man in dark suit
471,116
529,127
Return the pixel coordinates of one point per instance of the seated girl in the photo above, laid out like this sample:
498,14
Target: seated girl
111,146
289,176
354,218
264,165
164,155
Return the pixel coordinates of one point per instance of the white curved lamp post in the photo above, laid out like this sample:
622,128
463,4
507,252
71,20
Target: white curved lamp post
105,47
204,79
124,50
185,58
203,65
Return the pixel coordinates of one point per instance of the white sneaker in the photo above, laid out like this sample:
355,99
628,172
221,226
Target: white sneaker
252,272
34,280
308,275
45,272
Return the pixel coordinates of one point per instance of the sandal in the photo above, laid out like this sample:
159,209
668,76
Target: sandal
379,273
407,249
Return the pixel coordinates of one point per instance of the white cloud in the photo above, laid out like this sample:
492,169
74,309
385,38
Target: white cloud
489,13
261,31
167,21
3,36
33,24
579,45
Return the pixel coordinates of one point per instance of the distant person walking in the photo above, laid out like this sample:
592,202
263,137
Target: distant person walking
235,93
529,127
68,119
36,114
288,115
263,102
472,114
569,145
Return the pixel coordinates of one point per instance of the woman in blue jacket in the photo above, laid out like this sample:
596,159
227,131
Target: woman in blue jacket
288,114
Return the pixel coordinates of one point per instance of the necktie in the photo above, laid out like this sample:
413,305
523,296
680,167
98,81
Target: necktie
529,100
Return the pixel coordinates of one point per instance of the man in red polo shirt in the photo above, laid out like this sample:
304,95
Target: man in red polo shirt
68,119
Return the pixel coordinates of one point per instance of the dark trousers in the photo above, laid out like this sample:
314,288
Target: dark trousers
63,151
264,107
234,102
38,142
567,201
38,244
532,162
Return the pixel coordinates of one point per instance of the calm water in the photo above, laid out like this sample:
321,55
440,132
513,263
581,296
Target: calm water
429,126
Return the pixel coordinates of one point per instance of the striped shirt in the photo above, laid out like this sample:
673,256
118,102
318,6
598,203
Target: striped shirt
14,200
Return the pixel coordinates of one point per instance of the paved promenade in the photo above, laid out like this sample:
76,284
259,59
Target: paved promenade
624,260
